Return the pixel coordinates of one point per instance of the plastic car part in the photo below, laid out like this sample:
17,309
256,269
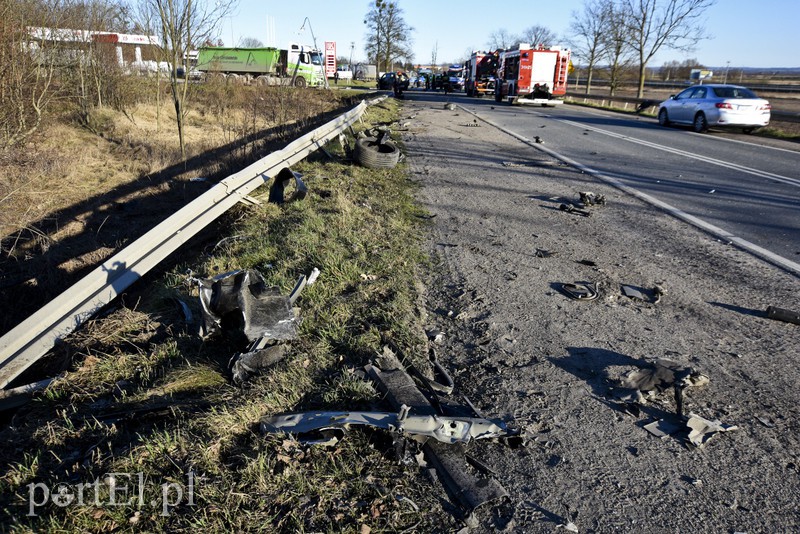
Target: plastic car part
241,300
445,429
580,291
781,314
701,430
464,487
282,180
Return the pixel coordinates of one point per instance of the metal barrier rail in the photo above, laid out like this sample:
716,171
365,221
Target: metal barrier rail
31,339
634,103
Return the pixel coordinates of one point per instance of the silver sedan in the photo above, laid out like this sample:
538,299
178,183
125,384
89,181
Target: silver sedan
714,105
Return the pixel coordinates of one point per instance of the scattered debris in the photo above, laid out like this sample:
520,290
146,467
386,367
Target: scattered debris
632,292
241,300
780,314
766,421
591,199
441,428
245,365
652,296
542,253
569,208
450,106
281,181
581,291
662,428
702,430
464,486
588,263
538,140
659,376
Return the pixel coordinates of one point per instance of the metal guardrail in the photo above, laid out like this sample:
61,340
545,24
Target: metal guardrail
633,103
31,339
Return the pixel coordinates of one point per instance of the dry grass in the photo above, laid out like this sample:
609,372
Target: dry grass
147,396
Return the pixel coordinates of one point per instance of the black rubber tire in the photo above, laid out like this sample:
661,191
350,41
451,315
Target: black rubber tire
299,81
498,94
663,118
700,124
370,154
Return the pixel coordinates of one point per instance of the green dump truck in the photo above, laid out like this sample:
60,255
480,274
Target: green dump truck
298,65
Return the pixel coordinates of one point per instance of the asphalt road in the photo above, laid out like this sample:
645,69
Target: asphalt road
744,185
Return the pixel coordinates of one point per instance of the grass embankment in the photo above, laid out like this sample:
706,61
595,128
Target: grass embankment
151,401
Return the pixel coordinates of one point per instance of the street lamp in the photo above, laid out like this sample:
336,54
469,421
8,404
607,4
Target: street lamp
727,65
303,27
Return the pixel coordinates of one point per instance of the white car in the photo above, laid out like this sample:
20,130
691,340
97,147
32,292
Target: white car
715,105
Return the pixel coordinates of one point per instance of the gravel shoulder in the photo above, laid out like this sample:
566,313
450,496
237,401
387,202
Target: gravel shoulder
521,349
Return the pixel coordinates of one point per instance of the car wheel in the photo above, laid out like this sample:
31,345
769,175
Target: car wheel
299,81
372,155
663,119
700,123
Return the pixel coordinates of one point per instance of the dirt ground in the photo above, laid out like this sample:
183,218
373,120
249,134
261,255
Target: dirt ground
521,349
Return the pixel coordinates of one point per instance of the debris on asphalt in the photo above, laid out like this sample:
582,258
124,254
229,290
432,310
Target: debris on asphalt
780,314
450,106
657,377
650,296
580,291
633,293
702,430
662,428
542,253
538,140
569,208
588,198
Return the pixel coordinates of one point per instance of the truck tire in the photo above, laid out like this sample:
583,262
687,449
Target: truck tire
299,81
498,93
370,154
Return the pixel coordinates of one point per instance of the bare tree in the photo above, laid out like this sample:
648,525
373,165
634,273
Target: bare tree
587,35
616,49
182,25
501,39
29,64
250,42
538,35
389,36
655,24
434,54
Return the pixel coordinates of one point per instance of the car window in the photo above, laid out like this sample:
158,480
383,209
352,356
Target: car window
734,92
700,92
686,93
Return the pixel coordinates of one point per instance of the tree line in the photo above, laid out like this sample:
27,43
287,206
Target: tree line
615,33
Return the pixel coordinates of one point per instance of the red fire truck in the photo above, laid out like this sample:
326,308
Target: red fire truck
479,73
528,75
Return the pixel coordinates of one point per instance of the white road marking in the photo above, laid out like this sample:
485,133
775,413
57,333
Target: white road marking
714,230
734,166
704,136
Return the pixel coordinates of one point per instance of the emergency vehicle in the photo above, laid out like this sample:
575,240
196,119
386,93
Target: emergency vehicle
479,72
528,75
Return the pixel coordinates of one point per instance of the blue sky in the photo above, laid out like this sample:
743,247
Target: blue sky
745,33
